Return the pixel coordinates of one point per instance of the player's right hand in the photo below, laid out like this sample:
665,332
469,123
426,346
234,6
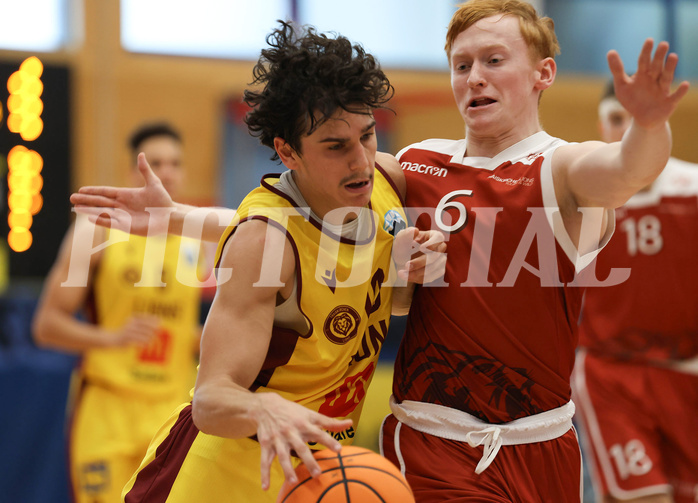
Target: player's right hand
139,330
284,426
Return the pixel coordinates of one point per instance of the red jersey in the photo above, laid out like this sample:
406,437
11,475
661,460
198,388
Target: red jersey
657,238
497,340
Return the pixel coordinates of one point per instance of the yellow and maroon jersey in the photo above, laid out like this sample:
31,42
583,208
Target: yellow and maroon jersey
341,295
154,276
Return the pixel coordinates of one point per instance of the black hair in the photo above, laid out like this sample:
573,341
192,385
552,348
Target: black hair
609,90
306,77
147,131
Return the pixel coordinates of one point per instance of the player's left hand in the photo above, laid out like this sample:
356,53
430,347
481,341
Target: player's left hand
420,256
647,94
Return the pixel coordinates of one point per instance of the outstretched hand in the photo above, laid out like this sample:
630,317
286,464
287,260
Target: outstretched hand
135,210
420,256
647,93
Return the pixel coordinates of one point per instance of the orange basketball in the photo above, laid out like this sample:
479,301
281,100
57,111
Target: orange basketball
354,475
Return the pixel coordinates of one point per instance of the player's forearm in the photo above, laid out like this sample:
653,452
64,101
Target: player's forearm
643,154
226,410
207,224
55,329
607,175
402,299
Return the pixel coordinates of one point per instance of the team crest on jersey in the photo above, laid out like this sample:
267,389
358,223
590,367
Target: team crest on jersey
342,324
393,222
131,275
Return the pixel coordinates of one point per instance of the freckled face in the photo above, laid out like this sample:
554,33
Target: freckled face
494,78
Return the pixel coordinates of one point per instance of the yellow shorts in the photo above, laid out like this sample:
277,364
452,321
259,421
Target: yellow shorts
181,462
110,433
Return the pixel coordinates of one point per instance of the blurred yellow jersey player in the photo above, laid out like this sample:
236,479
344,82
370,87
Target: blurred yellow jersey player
139,342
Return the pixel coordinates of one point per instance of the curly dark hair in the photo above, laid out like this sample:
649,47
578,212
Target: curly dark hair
306,77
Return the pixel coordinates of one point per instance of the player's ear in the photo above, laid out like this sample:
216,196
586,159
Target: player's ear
286,152
546,70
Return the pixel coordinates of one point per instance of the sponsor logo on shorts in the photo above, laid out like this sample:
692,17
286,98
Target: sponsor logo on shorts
94,477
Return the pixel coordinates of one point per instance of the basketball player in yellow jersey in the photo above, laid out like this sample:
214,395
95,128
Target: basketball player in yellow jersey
138,348
304,285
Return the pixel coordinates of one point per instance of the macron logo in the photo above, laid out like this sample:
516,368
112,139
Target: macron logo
423,168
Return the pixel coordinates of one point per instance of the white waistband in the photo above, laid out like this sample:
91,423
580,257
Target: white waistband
689,366
453,424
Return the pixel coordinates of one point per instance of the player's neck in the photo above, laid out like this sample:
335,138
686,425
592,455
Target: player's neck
489,145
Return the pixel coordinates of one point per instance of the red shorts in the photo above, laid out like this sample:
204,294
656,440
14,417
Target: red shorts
639,427
438,469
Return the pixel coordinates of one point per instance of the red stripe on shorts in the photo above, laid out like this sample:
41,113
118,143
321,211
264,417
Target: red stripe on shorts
154,482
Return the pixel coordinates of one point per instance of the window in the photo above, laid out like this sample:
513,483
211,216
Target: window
33,25
687,38
204,28
588,29
402,33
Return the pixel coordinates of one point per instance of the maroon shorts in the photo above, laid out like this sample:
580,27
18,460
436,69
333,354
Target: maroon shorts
639,425
438,469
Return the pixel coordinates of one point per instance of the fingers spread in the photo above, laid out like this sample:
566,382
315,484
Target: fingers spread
657,64
643,60
615,64
268,455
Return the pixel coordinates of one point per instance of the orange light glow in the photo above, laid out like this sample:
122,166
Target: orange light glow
19,181
14,123
37,203
20,218
32,127
19,200
32,66
14,83
36,162
17,157
19,239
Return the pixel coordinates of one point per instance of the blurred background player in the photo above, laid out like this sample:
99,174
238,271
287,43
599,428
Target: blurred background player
636,376
138,347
